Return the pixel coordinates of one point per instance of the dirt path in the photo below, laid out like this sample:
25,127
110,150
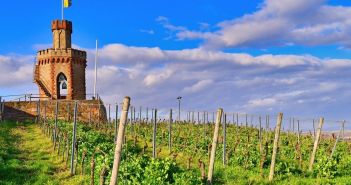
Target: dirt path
27,157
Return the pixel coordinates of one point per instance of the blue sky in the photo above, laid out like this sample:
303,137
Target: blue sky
112,21
131,22
259,56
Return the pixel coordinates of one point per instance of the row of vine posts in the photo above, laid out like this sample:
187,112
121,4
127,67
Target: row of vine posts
70,148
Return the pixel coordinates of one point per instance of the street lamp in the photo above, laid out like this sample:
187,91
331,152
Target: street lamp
179,98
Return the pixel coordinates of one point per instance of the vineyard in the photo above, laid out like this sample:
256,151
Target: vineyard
158,149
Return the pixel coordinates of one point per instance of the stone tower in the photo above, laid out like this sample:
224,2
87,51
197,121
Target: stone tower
60,71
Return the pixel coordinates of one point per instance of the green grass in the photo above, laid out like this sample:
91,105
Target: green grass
27,157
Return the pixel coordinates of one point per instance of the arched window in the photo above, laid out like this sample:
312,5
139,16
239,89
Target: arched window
62,86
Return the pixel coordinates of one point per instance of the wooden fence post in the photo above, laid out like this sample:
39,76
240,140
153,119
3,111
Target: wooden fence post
299,143
154,135
293,125
92,168
74,137
109,115
343,130
207,118
246,120
120,135
38,111
140,111
260,134
134,115
225,140
116,123
314,130
275,146
237,119
147,115
316,141
45,113
1,110
55,129
336,142
170,132
214,145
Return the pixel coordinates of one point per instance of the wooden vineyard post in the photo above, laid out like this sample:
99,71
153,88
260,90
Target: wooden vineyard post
316,141
224,140
1,112
214,145
233,119
260,134
109,115
152,116
299,144
293,125
314,130
116,123
275,146
38,111
140,111
207,118
55,129
198,117
170,132
154,134
246,123
45,113
74,137
134,115
336,141
237,119
120,136
92,168
343,130
147,115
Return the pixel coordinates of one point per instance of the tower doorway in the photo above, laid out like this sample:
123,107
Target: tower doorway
62,86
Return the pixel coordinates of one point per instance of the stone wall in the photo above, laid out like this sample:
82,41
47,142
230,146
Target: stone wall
88,110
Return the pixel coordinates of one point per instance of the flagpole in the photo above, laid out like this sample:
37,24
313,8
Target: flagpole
62,3
95,76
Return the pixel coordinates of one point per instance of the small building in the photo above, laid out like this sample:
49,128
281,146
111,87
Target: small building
59,71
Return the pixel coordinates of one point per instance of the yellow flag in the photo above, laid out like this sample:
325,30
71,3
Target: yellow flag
67,3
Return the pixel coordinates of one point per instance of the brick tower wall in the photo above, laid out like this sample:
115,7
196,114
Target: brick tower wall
61,59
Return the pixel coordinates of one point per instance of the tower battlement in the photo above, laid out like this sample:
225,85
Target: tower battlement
61,25
62,31
67,52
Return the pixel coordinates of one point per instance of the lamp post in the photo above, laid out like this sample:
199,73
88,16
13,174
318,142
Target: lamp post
179,98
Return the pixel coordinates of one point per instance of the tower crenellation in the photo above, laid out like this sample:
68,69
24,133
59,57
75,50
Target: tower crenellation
62,30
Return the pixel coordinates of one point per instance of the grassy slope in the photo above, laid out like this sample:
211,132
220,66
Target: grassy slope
26,157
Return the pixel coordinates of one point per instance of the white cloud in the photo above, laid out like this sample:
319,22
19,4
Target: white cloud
262,102
279,23
241,82
296,84
16,70
157,77
200,85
